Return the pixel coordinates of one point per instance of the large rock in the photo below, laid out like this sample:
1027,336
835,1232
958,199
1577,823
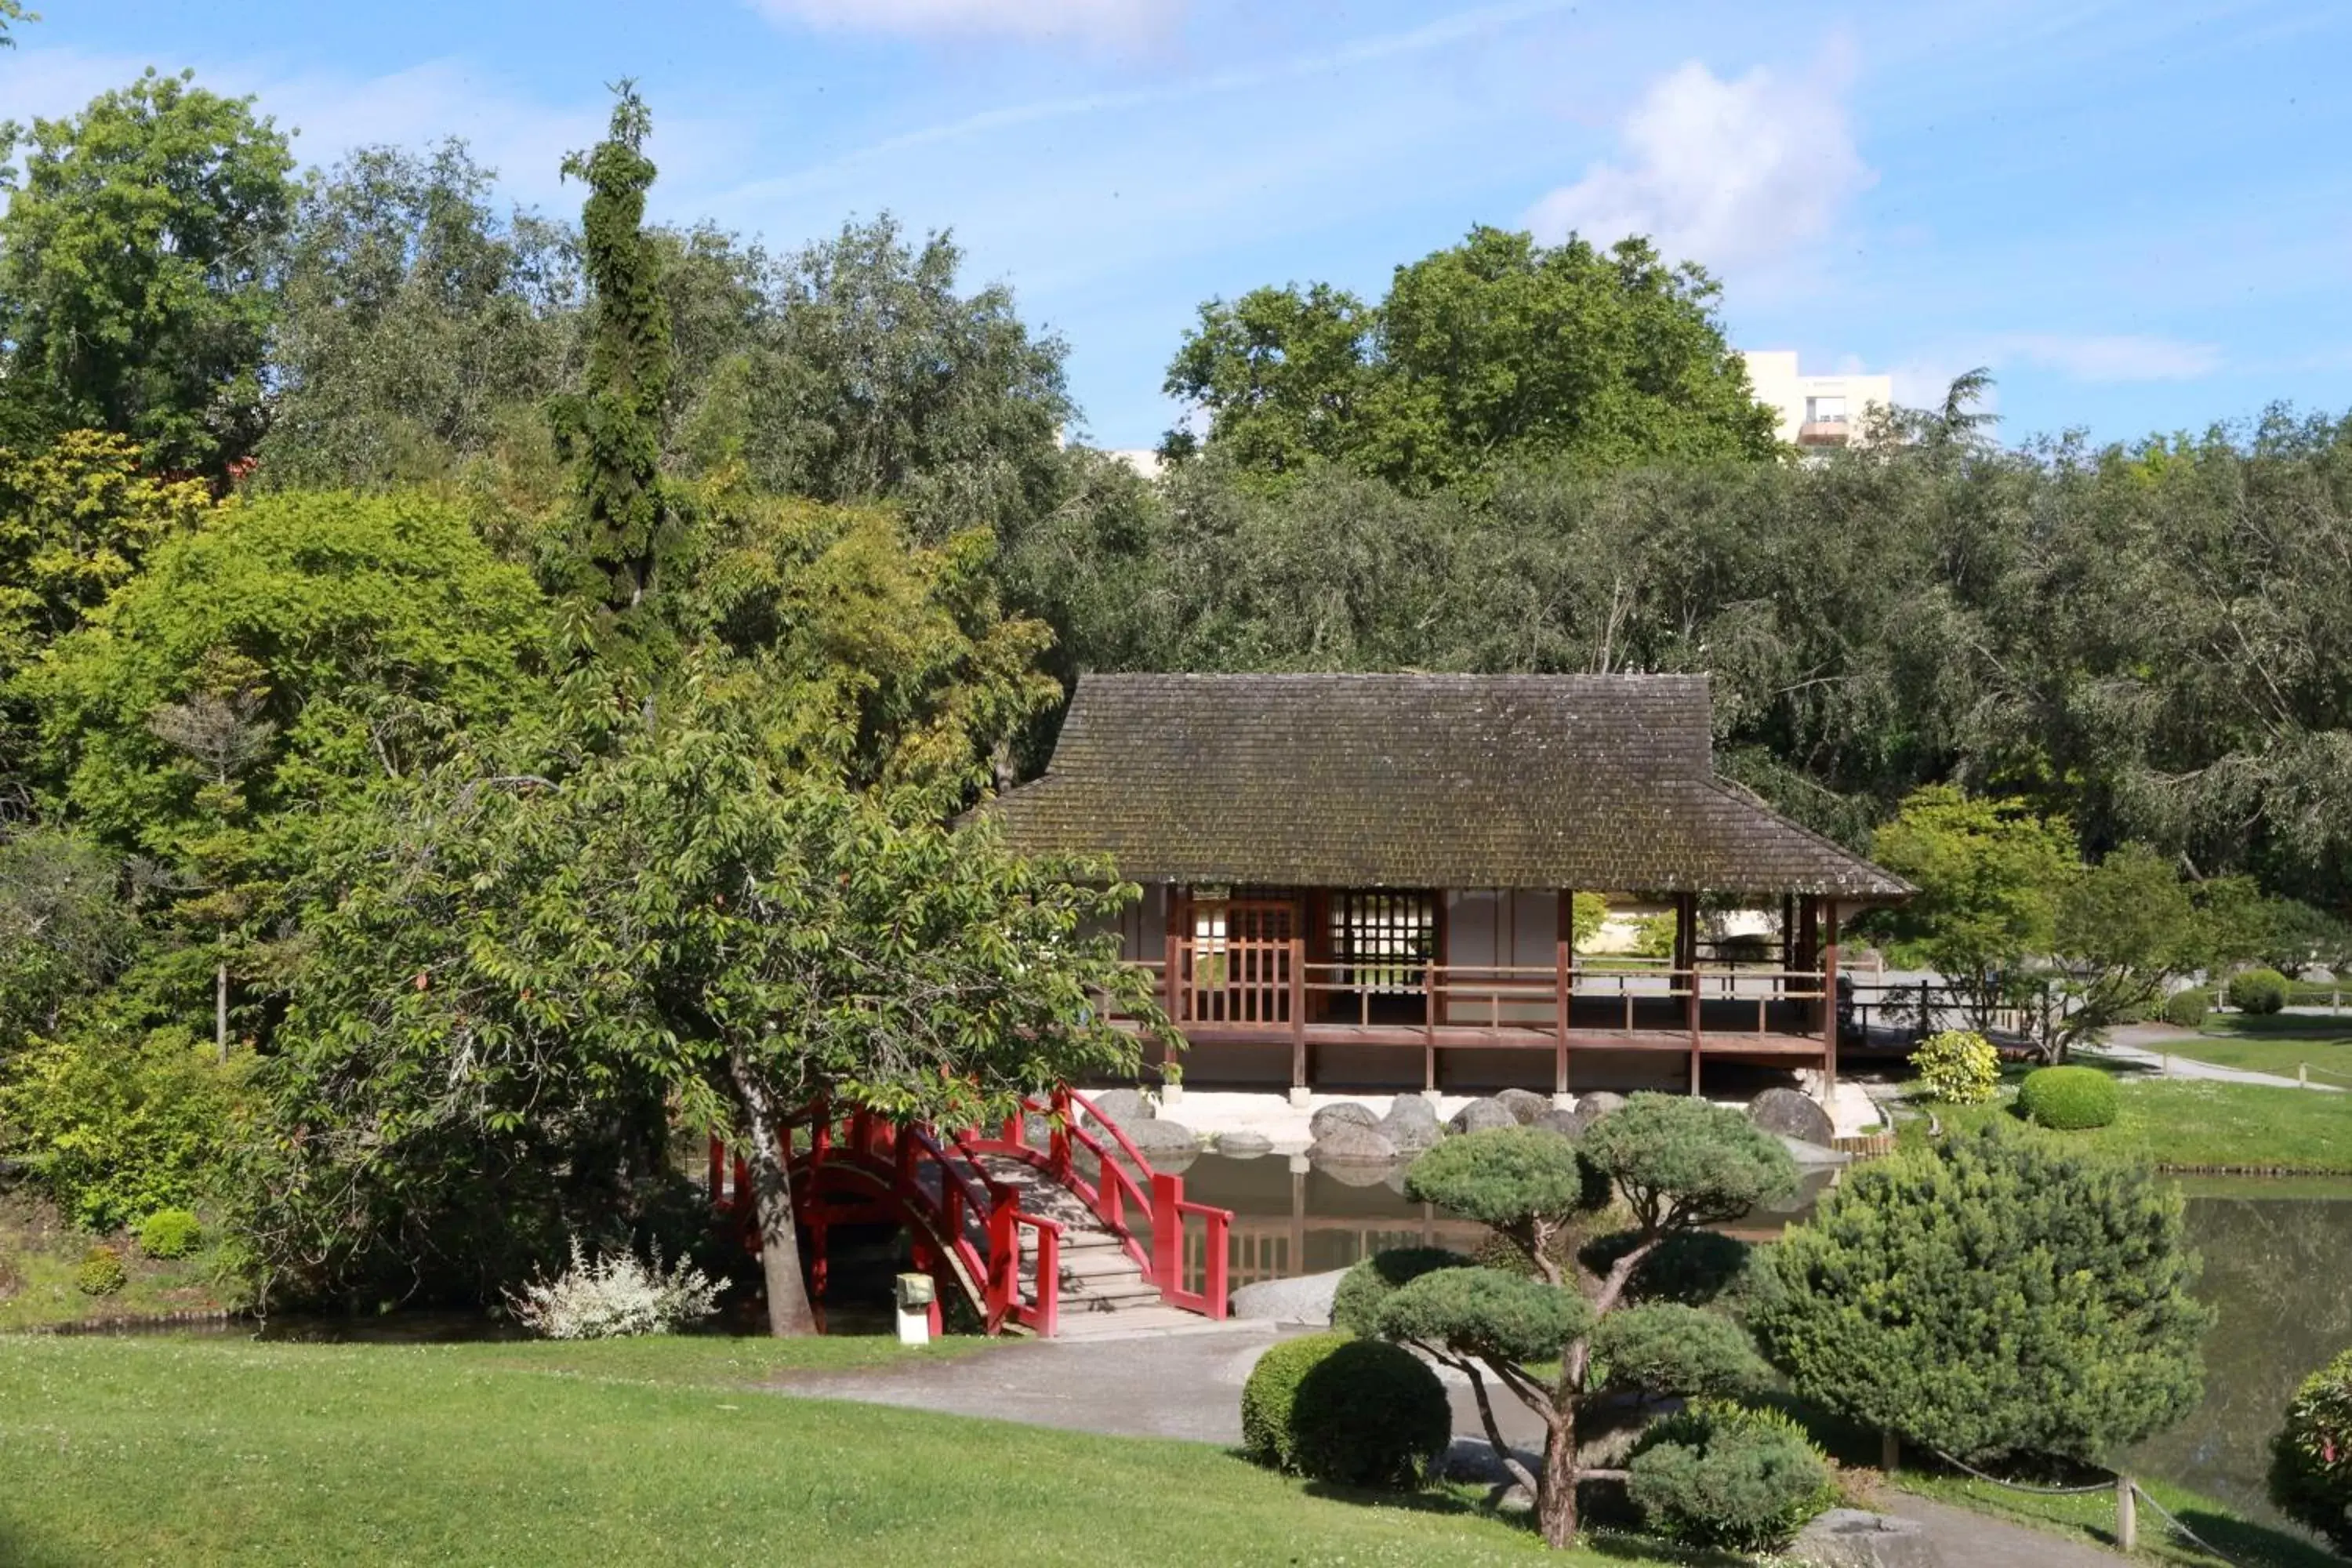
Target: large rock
1347,1113
1555,1119
1523,1104
1154,1137
1351,1143
1481,1116
1306,1300
1411,1124
1792,1115
1849,1538
1124,1107
1243,1145
1590,1108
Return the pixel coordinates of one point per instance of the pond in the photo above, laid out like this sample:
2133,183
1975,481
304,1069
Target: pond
2278,1269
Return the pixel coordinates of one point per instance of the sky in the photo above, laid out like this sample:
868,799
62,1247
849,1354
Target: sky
2135,214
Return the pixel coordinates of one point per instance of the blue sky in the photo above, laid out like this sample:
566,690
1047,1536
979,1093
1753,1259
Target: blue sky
2136,213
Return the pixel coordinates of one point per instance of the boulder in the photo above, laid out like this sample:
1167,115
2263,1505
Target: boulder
1792,1115
1243,1145
1523,1104
1849,1538
1555,1119
1351,1143
1481,1116
1304,1301
1590,1108
1154,1137
1411,1124
1123,1106
1347,1113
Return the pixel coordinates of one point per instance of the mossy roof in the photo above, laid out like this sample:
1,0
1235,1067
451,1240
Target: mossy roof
1415,781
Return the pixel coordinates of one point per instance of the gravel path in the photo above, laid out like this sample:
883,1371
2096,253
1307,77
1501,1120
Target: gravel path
2142,1045
1965,1539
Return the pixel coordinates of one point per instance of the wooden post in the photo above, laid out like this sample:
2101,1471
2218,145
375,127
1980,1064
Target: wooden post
1829,996
1691,975
1890,1452
1562,979
1297,1013
2126,1516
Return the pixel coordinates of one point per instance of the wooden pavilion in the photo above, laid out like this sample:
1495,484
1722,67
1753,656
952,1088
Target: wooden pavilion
1361,879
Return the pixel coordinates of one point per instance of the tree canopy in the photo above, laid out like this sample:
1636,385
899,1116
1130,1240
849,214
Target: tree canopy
1496,351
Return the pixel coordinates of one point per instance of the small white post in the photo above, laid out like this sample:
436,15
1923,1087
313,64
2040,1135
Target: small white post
2303,1075
2126,1516
915,1294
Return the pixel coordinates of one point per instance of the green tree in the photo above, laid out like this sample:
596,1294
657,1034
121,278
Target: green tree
416,328
614,428
1497,350
2126,929
1989,875
1611,1321
136,261
65,929
1996,1297
13,11
694,920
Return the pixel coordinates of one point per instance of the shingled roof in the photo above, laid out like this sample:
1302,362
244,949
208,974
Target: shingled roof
1602,782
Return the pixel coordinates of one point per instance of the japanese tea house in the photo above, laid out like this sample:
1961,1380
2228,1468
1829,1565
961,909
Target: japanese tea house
1361,879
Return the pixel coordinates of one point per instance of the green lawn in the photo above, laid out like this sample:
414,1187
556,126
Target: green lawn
2276,1045
191,1450
2182,1124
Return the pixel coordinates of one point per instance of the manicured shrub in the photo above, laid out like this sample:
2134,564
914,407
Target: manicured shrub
2258,991
2069,1099
101,1272
1997,1295
1958,1067
1356,1305
2310,1458
1355,1411
615,1296
2187,1009
1722,1477
170,1233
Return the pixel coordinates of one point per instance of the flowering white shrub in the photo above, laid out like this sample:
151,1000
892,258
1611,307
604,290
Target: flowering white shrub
614,1296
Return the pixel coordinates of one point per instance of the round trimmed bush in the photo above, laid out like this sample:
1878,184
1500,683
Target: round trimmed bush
1359,1412
2072,1100
2187,1009
101,1272
170,1233
1958,1067
1722,1477
2258,991
2310,1458
1356,1304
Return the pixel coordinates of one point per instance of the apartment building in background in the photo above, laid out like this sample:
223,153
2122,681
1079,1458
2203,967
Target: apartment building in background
1816,410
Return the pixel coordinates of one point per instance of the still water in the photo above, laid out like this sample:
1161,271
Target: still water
2278,1270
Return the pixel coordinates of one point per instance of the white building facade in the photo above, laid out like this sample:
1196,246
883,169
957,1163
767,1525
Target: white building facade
1815,411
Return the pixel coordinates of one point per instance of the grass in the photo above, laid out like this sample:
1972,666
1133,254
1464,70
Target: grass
2092,1517
39,1255
194,1450
2183,1124
2277,1044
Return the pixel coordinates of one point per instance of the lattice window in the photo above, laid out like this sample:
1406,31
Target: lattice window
1386,940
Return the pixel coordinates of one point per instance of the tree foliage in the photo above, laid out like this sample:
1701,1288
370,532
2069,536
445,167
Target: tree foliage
1495,351
1621,1320
1994,1297
137,257
1990,873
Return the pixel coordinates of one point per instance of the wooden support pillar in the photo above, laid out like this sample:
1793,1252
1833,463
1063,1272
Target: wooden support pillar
1563,982
1829,995
1297,1006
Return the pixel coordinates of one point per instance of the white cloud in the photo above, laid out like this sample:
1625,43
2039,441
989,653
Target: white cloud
1722,173
1118,23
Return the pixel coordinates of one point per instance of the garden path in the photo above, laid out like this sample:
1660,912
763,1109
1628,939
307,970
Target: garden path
2142,1045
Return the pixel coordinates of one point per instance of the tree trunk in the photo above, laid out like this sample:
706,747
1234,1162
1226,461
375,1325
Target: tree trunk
1556,1499
220,1009
789,1315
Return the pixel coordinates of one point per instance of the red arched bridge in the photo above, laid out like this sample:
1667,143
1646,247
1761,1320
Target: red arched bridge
1053,1224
